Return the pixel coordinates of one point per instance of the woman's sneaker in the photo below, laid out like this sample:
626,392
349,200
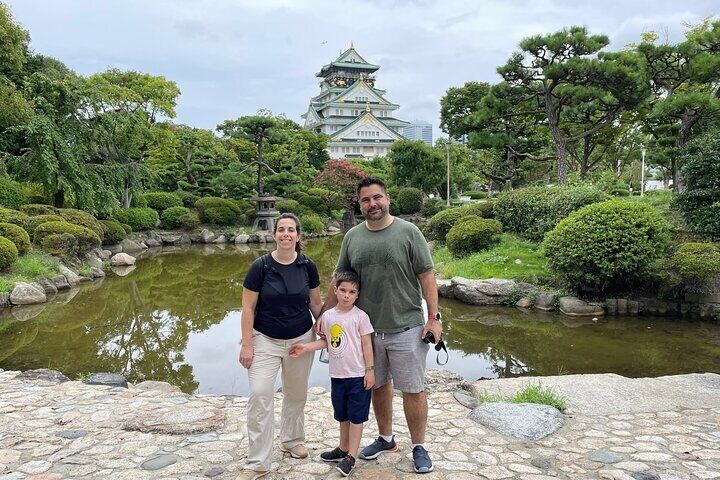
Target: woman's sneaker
298,451
380,445
346,465
335,455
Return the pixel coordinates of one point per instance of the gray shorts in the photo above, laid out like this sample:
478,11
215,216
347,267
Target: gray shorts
400,357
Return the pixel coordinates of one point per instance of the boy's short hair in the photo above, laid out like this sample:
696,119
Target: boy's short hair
349,276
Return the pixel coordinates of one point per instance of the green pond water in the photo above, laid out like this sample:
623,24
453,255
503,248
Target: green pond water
176,318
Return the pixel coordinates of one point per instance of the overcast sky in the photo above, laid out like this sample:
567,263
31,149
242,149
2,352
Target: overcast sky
232,57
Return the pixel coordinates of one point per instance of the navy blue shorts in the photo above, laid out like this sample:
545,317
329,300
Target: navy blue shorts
350,400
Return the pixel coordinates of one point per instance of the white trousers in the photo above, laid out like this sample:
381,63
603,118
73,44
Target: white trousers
271,355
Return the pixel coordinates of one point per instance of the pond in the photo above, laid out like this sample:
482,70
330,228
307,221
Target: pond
176,318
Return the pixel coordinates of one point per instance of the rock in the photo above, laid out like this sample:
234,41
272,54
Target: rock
71,434
605,456
206,236
170,239
4,299
104,254
492,291
72,277
152,242
622,305
644,476
97,272
437,380
113,249
333,230
153,385
524,302
122,260
611,306
545,301
185,239
220,239
574,307
109,379
633,308
158,462
543,463
518,261
242,238
465,399
129,246
445,288
24,313
190,418
27,294
47,286
43,375
123,271
214,472
527,421
61,283
93,260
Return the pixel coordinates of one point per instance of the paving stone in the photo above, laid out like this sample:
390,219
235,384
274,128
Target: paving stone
644,476
214,472
605,456
521,420
71,434
158,462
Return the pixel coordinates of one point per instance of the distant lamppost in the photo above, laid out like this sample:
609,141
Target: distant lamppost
642,174
447,161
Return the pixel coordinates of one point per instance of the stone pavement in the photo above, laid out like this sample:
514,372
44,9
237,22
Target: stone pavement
152,431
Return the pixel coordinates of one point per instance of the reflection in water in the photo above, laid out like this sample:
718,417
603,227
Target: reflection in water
176,318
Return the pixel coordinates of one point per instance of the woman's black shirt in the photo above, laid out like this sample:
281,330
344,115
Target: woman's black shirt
282,310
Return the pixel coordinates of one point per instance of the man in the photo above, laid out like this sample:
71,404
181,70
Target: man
393,261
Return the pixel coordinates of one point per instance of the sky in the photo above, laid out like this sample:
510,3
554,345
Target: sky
233,57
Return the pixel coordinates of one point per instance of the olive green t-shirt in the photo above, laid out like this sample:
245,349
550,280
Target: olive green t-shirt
388,262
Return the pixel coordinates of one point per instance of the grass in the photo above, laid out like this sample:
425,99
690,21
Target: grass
85,270
531,393
497,262
26,268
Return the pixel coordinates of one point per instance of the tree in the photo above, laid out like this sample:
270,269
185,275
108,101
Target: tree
414,164
342,179
14,40
458,104
577,89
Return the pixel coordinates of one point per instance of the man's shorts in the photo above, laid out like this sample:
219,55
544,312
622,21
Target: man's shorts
400,357
350,400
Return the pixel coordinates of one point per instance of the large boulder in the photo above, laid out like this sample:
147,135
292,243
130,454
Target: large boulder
574,307
206,236
4,299
122,260
242,238
545,301
445,288
27,294
171,239
43,375
491,291
47,286
440,380
220,239
72,277
528,421
97,273
129,246
152,242
60,283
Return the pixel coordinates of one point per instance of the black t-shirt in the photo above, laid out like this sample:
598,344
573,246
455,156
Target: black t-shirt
282,310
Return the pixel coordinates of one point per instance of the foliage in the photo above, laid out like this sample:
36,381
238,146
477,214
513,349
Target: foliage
8,251
78,217
458,104
606,245
283,183
440,224
476,194
431,206
531,393
311,224
17,235
410,200
188,198
60,244
694,260
292,206
340,177
138,218
315,204
34,265
128,229
33,222
170,217
162,200
189,220
11,193
14,41
218,211
38,209
533,211
114,232
138,200
418,165
86,238
13,216
472,235
485,209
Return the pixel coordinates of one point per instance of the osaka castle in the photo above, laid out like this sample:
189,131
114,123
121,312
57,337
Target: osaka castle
355,115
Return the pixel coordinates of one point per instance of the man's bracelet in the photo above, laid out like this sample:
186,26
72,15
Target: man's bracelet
370,368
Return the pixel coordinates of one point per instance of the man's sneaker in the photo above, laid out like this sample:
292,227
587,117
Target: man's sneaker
380,445
421,460
251,474
298,451
346,465
335,455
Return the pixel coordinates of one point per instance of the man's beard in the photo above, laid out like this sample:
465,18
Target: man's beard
378,213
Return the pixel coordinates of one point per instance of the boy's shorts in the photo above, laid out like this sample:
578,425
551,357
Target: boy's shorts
350,400
400,357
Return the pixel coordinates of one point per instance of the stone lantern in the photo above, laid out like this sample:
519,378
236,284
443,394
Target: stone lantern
265,213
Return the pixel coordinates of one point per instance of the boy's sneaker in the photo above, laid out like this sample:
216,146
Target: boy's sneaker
335,455
346,465
421,460
380,445
298,451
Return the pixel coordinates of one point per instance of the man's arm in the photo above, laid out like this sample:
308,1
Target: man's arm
430,293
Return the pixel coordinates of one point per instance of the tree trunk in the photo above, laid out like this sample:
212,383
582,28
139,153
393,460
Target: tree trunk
585,158
59,198
127,196
260,167
348,219
561,149
682,138
188,173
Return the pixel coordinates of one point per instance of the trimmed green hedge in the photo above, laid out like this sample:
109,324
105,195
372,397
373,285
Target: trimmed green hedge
38,209
33,222
475,194
11,193
138,201
292,206
189,220
410,200
311,224
17,235
534,211
86,238
608,245
484,209
694,260
431,206
170,218
82,218
137,218
8,253
13,216
472,234
188,198
218,211
440,224
162,200
60,244
113,232
316,204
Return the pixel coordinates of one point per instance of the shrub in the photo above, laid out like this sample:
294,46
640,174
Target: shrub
292,206
17,235
318,192
297,195
13,216
189,220
431,206
84,219
534,211
218,211
480,209
38,209
188,198
11,193
476,194
128,229
86,238
114,232
33,222
60,244
620,193
440,224
612,243
311,224
8,252
316,204
410,200
170,218
472,235
138,201
162,200
137,218
694,260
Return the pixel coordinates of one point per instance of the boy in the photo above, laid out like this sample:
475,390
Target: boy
346,333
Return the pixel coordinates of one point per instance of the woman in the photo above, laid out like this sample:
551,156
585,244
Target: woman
279,292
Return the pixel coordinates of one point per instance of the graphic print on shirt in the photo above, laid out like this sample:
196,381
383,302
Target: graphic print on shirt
338,340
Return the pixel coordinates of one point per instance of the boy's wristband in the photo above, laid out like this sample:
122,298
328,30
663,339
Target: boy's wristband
370,368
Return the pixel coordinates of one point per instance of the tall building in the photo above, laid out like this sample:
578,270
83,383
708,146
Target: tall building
419,130
355,115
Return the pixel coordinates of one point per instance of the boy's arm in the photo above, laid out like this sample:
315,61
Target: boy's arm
300,348
369,361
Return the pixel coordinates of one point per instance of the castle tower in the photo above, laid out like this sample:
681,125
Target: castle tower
349,109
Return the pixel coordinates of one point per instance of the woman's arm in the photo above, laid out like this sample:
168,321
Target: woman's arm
247,320
315,302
